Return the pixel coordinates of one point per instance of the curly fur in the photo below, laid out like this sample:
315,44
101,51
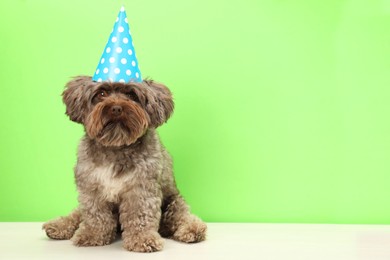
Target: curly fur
123,173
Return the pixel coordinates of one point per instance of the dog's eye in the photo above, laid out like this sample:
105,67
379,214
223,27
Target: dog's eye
132,96
102,93
99,96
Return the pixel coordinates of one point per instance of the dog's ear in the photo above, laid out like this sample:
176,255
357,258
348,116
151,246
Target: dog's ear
158,102
75,97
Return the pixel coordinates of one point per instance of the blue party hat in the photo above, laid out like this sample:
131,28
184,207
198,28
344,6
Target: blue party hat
118,62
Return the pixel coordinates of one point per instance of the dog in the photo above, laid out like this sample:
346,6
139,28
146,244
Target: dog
123,173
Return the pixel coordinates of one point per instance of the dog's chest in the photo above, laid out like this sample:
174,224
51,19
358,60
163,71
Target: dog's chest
110,185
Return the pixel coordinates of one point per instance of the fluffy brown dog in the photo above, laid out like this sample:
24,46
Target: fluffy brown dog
123,173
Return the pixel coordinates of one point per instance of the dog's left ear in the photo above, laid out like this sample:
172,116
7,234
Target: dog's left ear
158,102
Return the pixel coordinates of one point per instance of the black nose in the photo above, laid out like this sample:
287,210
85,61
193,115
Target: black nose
116,110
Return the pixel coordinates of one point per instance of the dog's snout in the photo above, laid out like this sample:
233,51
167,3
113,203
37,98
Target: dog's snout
116,110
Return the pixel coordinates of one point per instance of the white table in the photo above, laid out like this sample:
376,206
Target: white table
225,241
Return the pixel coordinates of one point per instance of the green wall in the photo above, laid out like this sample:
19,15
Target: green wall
282,106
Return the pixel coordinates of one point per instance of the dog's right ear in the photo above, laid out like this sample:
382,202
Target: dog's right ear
74,97
158,102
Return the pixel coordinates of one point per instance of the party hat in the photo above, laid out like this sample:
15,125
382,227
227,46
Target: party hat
118,62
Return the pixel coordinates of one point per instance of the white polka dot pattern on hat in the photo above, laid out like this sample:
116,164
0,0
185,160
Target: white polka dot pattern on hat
119,62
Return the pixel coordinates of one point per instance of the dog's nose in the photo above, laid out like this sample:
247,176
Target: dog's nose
116,110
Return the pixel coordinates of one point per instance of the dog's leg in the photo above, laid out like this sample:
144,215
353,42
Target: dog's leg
178,223
98,225
139,216
63,227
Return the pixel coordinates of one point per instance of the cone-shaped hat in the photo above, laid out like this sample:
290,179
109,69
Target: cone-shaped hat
118,62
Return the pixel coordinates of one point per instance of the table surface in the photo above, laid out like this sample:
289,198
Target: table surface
26,240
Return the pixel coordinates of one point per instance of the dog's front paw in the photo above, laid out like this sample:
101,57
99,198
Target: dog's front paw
59,228
90,237
144,242
192,231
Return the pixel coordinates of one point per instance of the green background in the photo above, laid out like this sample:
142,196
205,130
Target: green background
282,106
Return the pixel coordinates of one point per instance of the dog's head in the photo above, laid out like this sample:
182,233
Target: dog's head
116,114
